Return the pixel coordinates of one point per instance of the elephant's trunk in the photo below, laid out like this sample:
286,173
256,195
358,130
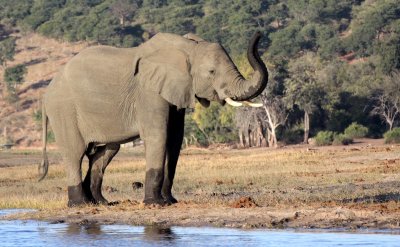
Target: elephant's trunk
243,90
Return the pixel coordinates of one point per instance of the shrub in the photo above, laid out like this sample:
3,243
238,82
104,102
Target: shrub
356,130
293,136
324,138
50,137
342,139
15,75
392,136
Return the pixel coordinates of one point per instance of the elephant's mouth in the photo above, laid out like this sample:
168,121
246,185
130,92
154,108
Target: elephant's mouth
204,102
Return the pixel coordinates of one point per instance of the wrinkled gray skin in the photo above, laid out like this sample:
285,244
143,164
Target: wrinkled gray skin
107,96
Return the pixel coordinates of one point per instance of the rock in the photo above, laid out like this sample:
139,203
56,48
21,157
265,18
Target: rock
345,214
57,222
110,189
244,202
312,142
137,185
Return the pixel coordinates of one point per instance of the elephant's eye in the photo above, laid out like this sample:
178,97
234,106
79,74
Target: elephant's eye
212,71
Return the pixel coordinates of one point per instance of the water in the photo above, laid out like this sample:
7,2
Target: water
34,233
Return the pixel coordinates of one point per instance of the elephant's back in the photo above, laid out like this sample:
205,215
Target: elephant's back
100,65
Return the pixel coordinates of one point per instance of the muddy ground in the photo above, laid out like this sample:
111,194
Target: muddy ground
351,217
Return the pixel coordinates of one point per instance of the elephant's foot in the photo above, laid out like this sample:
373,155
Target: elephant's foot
95,189
152,188
158,201
169,199
76,196
99,199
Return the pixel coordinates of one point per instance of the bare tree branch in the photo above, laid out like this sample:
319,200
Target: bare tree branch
388,100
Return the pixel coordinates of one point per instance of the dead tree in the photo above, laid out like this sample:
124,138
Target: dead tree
387,108
124,9
275,116
388,100
250,127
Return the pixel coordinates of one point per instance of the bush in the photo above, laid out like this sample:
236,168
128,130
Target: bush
324,138
356,130
293,136
342,139
392,136
50,137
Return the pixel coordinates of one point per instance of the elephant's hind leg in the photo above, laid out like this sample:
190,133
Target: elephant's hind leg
98,163
72,148
90,153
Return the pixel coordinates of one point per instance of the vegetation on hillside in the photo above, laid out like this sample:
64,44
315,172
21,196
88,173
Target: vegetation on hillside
331,62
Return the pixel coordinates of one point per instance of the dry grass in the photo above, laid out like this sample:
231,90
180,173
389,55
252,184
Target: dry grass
273,177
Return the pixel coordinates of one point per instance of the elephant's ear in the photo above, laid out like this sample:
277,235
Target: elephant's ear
167,72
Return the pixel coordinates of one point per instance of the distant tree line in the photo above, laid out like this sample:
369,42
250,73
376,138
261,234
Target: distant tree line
331,62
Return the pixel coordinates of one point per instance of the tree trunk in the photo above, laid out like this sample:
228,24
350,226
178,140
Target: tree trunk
122,20
247,138
390,122
241,141
5,134
306,127
270,138
259,135
273,137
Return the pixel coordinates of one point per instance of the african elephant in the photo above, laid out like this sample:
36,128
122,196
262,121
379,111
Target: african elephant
106,96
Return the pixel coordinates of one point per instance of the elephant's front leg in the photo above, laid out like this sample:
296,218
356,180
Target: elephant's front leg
174,142
153,120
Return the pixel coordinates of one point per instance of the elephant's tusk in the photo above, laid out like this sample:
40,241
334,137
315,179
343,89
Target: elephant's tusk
233,103
252,104
247,103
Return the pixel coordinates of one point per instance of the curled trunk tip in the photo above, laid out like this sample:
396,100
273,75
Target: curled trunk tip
254,86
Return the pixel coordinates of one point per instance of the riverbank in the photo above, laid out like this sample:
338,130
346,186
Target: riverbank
351,187
353,217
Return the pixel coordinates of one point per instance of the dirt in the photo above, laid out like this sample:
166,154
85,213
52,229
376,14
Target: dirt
350,217
244,202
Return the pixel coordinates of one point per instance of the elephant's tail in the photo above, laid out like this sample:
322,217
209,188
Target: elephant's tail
44,166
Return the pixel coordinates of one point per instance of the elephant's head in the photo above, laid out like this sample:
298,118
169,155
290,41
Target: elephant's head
182,69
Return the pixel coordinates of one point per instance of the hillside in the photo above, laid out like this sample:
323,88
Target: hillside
331,62
43,57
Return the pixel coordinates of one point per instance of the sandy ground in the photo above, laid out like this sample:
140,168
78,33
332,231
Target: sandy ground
358,189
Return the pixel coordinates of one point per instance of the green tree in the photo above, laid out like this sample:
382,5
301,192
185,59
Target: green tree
284,43
303,88
14,76
372,23
389,54
215,122
7,50
42,11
